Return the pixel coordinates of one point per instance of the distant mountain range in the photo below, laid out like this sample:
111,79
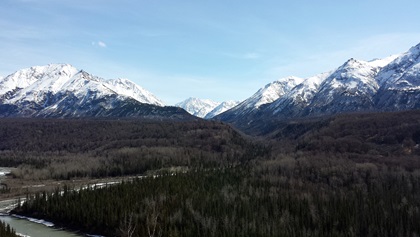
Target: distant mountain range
205,108
60,90
390,84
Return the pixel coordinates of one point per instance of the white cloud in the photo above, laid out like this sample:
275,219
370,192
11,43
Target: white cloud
101,44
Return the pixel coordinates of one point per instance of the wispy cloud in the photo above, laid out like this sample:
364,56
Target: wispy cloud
99,43
102,44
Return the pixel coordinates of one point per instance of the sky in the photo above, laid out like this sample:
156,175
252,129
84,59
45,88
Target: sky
219,50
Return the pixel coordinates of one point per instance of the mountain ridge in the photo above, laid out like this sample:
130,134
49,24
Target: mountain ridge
61,90
389,84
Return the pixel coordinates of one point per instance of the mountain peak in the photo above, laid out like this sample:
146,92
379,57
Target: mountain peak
290,79
205,108
388,84
198,107
42,90
55,68
353,63
26,77
272,91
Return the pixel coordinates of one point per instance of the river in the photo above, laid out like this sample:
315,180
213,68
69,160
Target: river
32,229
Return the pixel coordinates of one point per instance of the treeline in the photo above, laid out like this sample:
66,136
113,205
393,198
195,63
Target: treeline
6,230
274,200
64,149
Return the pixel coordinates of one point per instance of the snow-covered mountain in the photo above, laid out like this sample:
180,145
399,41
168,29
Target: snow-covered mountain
198,107
388,84
349,88
205,108
400,82
61,90
299,96
33,83
222,107
266,95
271,92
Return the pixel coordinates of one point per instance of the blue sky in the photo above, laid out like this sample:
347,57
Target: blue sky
219,50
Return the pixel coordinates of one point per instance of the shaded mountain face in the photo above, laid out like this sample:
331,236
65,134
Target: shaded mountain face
389,84
60,90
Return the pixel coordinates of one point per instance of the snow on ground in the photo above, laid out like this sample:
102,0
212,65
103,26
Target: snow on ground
39,221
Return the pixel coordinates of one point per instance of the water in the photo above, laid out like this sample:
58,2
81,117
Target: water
4,171
28,228
31,229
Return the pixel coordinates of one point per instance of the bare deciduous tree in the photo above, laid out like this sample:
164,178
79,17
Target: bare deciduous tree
128,225
152,219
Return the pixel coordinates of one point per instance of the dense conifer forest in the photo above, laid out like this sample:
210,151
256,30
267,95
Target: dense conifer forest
6,230
271,200
347,175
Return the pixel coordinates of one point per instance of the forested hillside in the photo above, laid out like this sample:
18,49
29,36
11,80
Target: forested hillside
391,138
62,149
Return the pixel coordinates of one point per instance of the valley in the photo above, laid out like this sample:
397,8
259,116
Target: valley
336,154
209,118
325,176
